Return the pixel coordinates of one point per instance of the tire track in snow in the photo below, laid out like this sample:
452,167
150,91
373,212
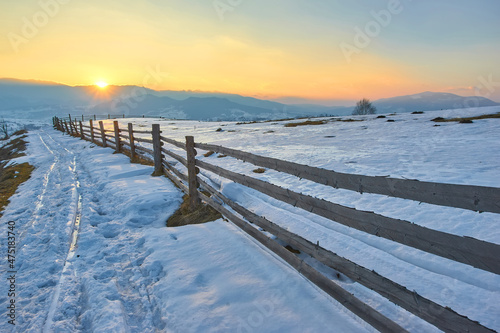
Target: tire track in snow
46,178
68,268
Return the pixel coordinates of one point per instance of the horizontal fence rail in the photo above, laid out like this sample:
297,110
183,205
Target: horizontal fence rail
477,198
465,250
470,251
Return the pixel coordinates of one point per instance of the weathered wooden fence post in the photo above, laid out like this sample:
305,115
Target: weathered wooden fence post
117,136
83,118
91,130
66,126
132,141
103,134
194,199
81,131
157,150
75,129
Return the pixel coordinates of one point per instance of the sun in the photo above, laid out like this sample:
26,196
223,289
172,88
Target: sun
101,84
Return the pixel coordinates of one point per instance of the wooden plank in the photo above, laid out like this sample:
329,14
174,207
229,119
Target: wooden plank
157,149
85,126
362,310
147,158
111,145
145,150
103,133
173,142
75,126
117,136
175,180
143,140
467,250
174,155
142,132
126,137
97,142
471,197
132,141
91,131
82,135
443,318
194,200
175,171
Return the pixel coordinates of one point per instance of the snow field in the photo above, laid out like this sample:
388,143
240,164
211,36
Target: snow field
411,147
126,272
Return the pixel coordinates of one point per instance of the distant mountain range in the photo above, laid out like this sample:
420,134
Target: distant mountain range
44,97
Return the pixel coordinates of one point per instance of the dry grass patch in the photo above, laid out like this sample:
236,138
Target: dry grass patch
185,216
259,170
467,120
209,153
137,159
14,175
307,123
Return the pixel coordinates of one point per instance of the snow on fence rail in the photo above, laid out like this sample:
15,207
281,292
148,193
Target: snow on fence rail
467,250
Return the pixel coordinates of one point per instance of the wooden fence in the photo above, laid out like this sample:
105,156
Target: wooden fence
477,253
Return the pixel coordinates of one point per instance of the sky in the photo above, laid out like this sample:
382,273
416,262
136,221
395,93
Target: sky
328,51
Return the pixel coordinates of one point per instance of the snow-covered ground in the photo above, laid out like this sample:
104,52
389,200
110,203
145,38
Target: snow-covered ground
93,253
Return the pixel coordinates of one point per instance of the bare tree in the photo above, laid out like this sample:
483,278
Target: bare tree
364,106
4,129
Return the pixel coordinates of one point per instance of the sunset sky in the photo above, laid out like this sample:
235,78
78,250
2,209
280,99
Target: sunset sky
326,50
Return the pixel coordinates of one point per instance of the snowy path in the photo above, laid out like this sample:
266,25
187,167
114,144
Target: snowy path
94,256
